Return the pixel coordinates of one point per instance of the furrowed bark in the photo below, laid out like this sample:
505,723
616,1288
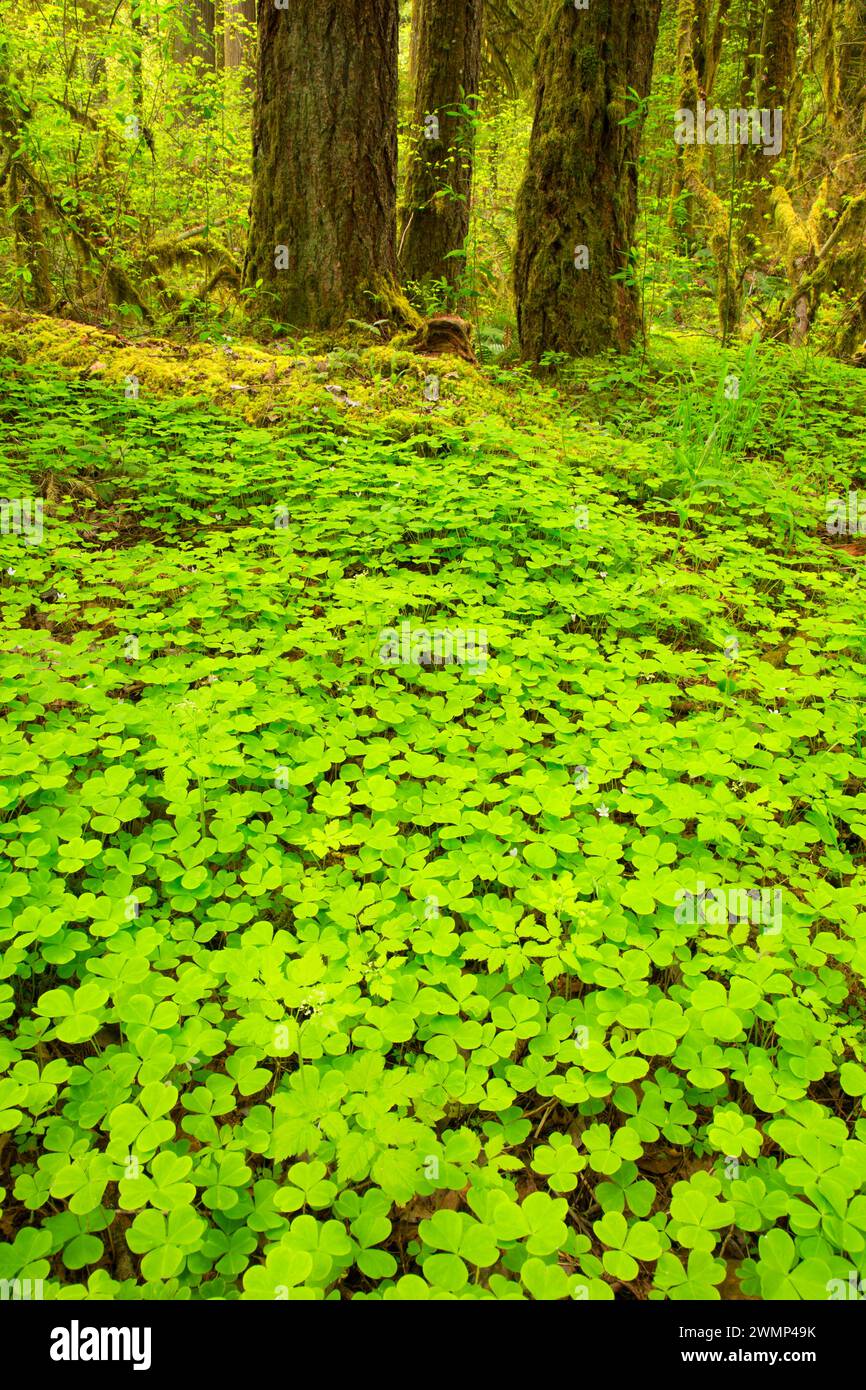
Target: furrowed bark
578,202
322,238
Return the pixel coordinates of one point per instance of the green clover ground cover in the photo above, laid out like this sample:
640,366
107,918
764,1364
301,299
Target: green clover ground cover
328,978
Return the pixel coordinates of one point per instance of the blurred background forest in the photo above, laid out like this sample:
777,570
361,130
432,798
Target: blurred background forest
127,172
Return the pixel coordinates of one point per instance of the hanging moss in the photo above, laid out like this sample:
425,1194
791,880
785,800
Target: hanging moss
792,233
721,240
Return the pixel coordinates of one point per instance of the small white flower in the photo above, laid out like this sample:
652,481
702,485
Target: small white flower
602,574
11,570
602,810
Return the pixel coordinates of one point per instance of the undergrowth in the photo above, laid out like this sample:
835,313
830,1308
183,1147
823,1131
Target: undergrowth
325,977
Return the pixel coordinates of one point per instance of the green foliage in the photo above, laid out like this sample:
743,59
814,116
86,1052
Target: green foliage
324,977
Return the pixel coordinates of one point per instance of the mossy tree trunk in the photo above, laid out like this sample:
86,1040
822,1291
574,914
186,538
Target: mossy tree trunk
852,64
446,58
577,205
414,29
776,87
323,210
16,181
840,59
700,200
701,29
750,49
823,245
690,58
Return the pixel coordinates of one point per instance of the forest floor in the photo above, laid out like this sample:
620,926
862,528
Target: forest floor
336,964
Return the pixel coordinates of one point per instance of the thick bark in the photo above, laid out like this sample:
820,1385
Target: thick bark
323,209
435,216
577,206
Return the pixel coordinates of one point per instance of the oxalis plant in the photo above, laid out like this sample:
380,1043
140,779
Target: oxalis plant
325,976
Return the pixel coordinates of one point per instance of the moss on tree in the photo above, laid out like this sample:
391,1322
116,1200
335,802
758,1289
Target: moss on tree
580,187
323,208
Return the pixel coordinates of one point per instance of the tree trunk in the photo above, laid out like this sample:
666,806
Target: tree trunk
414,31
435,216
136,63
839,61
695,65
323,209
577,206
852,66
701,32
823,245
31,253
239,23
692,23
750,49
198,21
93,21
776,85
